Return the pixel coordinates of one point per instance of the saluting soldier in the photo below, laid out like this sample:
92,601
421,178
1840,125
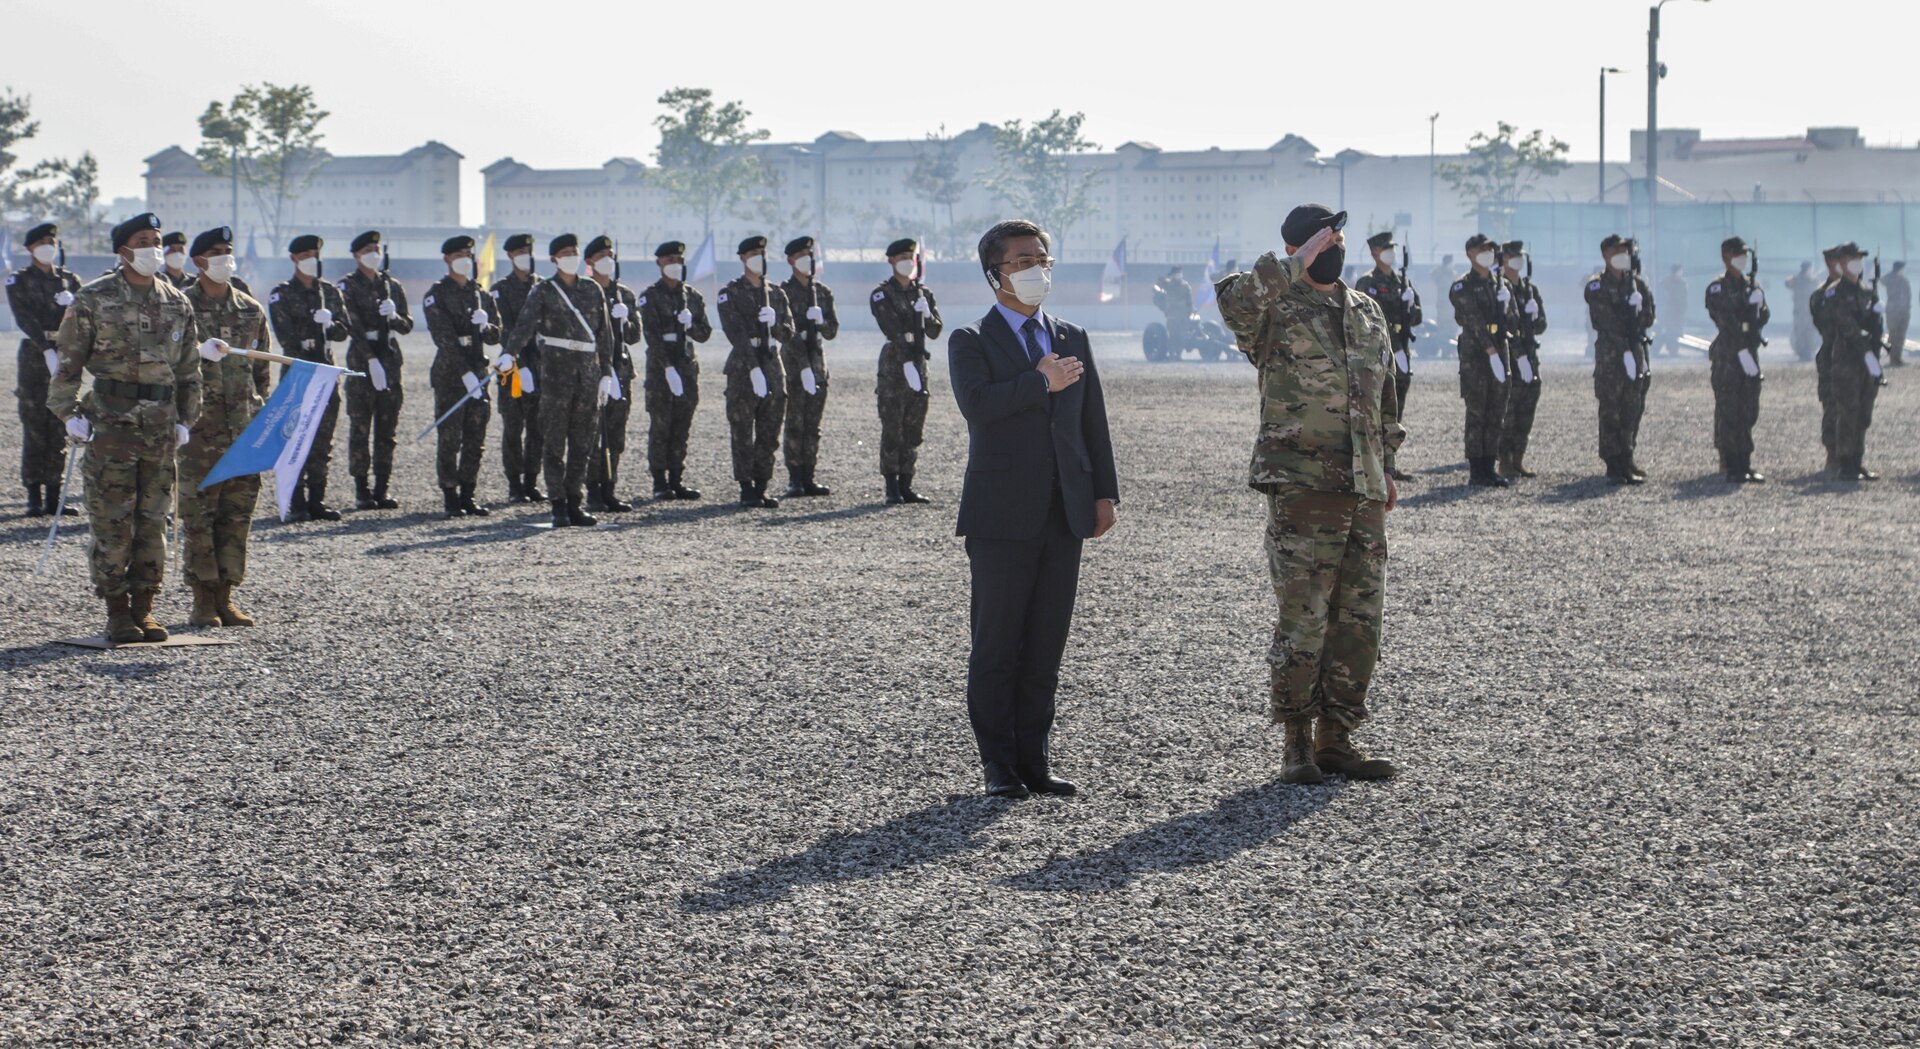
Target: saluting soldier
1482,304
1527,322
377,315
520,444
1620,307
568,317
174,253
216,521
673,316
1400,304
908,317
756,318
136,334
463,321
39,293
1738,309
805,360
308,316
1851,319
603,473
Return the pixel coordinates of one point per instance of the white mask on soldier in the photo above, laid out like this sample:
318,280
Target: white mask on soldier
568,264
523,261
463,266
603,265
45,254
1484,260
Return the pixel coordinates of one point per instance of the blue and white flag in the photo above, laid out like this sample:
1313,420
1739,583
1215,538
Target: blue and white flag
1204,296
280,437
6,249
1115,273
701,266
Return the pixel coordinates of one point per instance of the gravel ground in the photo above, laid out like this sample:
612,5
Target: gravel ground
704,778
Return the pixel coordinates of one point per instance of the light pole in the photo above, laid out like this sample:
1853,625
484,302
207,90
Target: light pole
1654,72
1433,213
1604,70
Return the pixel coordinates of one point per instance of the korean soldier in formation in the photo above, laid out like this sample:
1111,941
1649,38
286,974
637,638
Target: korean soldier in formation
1800,289
1739,312
520,445
756,318
1823,352
1851,319
909,318
673,316
137,335
1328,421
1527,322
308,316
464,321
216,521
377,315
39,294
1482,306
568,317
603,473
1897,292
1400,304
804,358
1620,307
174,253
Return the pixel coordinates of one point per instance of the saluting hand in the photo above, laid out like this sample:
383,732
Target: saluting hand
1315,245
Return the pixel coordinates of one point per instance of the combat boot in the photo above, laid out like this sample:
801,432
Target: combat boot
317,507
593,495
33,501
747,498
612,502
1334,753
150,628
451,497
380,497
1520,465
907,494
1296,754
530,488
893,490
54,506
560,516
661,489
230,614
515,494
810,488
121,629
760,498
794,488
1504,467
363,495
681,491
1730,468
1634,469
297,503
1480,473
206,605
579,518
1400,475
468,506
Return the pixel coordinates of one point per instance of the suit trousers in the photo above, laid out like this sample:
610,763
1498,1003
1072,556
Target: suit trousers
1023,595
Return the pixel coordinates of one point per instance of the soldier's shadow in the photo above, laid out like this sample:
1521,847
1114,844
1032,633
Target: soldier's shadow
36,528
845,513
1823,483
1582,489
26,656
351,523
1452,493
1707,486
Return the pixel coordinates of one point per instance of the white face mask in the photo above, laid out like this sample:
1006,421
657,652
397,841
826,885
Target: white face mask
757,264
309,266
146,261
1385,259
1516,262
523,261
45,254
905,268
220,268
371,260
1738,264
803,264
1621,263
177,261
1484,260
1031,285
603,265
674,271
463,266
1856,267
568,264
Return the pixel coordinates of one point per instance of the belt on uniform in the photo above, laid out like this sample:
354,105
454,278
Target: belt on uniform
756,342
308,344
464,340
672,336
576,345
138,391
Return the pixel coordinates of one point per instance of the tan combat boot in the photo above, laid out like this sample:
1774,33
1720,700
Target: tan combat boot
1520,466
121,629
1507,468
150,628
230,614
206,605
1296,761
1334,753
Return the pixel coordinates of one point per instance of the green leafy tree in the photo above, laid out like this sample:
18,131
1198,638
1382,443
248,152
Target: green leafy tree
268,138
68,192
938,178
1032,173
1500,169
706,167
16,125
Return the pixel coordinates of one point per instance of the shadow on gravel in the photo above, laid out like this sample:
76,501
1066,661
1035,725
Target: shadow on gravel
1822,483
39,655
36,528
351,523
1706,486
503,532
919,837
1452,493
1239,823
845,513
1595,487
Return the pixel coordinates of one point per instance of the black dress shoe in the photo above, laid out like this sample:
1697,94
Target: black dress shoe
1002,783
1040,781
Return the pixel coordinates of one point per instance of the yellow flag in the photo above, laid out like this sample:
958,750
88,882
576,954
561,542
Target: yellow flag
483,267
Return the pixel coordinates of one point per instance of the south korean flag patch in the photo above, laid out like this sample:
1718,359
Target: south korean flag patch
428,304
879,296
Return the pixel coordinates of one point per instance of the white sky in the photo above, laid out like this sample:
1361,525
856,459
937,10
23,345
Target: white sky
494,79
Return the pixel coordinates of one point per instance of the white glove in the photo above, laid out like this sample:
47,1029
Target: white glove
1505,295
79,428
675,385
684,318
1499,367
620,311
503,362
816,315
1872,359
1879,307
323,316
181,435
808,382
526,381
1635,300
759,380
1757,297
1533,308
53,362
610,387
388,309
65,298
478,317
1749,365
377,374
767,316
920,306
474,383
1407,296
213,350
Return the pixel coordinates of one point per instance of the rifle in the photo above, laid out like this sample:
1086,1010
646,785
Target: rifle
619,346
386,293
1497,328
1755,337
1646,340
1405,284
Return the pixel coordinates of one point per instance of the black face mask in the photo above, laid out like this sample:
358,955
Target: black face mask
1326,266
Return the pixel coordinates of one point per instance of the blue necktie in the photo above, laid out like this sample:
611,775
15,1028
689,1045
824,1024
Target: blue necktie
1030,332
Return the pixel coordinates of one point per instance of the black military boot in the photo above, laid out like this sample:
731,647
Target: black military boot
907,494
747,498
579,518
452,497
1634,469
1480,472
33,501
608,494
51,504
317,507
1731,469
661,489
767,502
893,490
681,491
1860,471
515,494
380,497
561,519
297,506
794,488
811,488
1749,474
530,488
362,495
468,506
593,495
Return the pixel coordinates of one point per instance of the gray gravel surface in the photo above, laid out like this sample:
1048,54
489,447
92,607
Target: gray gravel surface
704,778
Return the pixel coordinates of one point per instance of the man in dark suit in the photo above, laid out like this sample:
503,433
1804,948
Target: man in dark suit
1040,480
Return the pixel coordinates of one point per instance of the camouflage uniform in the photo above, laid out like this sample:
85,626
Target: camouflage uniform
754,420
670,418
1801,287
1523,394
1485,325
1822,366
1328,422
614,414
520,444
290,307
1850,331
142,347
459,349
31,294
1897,292
807,349
1736,395
1619,330
903,412
573,360
216,521
373,415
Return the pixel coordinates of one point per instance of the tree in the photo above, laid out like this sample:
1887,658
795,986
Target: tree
72,199
268,138
1500,169
16,125
1033,176
705,165
937,178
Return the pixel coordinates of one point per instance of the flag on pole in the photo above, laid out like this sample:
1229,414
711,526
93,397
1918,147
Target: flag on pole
1204,295
483,267
701,267
253,260
6,249
280,437
1115,274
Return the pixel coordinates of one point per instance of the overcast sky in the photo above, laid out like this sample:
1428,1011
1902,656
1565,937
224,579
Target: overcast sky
559,85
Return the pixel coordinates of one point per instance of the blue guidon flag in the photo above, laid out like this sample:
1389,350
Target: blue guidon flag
281,435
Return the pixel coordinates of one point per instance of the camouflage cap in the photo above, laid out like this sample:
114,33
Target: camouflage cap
206,241
125,231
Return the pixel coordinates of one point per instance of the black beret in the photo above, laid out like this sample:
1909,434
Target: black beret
304,242
171,239
672,247
124,232
1307,219
42,232
752,244
1615,240
205,241
519,241
1733,246
1480,240
1850,250
1380,240
1900,265
597,245
453,244
799,246
371,236
903,246
1514,247
562,243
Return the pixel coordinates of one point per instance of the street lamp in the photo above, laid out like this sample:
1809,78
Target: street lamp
1604,70
1654,72
1433,214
